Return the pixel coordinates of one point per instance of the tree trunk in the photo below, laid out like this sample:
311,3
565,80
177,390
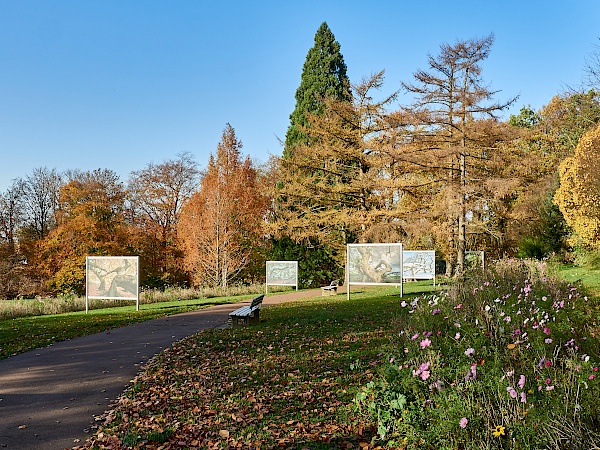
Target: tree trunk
462,226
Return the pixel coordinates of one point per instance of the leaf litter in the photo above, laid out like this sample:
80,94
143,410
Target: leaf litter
279,387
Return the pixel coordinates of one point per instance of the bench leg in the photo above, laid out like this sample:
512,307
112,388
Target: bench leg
255,317
239,322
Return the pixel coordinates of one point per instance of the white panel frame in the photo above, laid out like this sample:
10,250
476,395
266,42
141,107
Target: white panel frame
94,278
419,275
398,247
269,281
480,254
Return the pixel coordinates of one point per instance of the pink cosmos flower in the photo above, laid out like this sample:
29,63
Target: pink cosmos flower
511,391
548,341
425,374
472,374
469,352
592,376
425,343
541,363
523,397
521,381
463,422
416,335
546,330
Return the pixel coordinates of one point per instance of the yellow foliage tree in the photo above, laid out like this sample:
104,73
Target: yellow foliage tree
578,196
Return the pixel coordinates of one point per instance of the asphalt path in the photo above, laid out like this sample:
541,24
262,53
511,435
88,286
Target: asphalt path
50,397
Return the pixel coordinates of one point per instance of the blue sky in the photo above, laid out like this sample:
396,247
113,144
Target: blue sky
119,84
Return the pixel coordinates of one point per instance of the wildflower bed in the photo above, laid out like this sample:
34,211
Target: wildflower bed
508,360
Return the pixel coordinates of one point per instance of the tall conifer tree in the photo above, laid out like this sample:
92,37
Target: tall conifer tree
323,76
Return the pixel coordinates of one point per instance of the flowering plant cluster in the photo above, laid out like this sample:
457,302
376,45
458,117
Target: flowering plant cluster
503,360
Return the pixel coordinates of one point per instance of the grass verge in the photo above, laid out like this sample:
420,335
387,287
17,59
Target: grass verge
21,334
572,273
287,382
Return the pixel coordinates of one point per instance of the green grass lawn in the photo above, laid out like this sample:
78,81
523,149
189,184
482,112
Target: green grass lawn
21,334
26,333
292,381
287,382
590,278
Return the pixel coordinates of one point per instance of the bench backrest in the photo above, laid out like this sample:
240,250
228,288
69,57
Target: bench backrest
257,301
335,283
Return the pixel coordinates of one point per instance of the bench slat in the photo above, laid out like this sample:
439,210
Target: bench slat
247,313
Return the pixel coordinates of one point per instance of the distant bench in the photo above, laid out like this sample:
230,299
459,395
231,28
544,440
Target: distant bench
331,289
247,314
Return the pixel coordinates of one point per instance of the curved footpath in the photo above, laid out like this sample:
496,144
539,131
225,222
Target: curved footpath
49,397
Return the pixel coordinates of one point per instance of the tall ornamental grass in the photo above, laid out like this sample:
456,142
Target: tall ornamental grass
10,309
505,360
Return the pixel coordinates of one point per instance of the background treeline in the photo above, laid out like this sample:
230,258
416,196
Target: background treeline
442,172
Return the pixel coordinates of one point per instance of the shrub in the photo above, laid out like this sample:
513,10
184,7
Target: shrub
502,360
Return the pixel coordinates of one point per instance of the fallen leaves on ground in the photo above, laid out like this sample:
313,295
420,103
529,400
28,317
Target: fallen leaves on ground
242,389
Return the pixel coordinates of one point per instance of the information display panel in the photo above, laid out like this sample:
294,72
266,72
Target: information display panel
418,265
281,273
112,278
374,264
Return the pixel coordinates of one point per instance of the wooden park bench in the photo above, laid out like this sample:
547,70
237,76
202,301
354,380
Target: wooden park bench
247,314
331,289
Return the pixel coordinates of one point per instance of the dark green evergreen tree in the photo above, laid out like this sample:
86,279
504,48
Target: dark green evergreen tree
323,75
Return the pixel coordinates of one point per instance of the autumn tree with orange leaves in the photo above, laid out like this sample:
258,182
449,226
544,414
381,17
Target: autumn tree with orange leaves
220,225
90,222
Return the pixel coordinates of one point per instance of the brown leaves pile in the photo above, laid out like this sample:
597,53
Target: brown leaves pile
242,389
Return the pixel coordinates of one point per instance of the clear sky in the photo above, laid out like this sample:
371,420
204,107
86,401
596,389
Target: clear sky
118,84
